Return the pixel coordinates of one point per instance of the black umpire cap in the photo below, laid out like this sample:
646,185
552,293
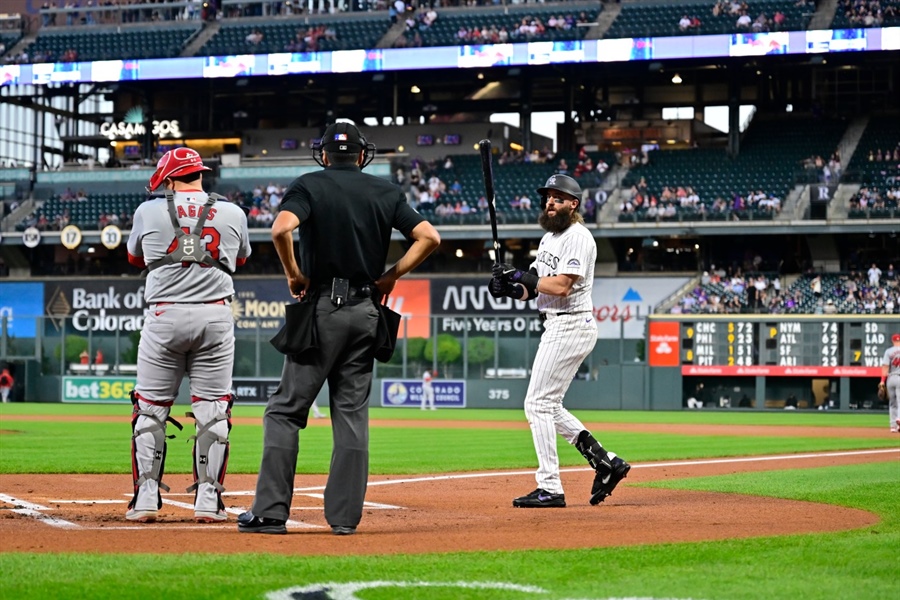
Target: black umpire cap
343,137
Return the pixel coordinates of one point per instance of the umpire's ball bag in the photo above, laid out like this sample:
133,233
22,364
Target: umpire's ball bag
386,337
298,334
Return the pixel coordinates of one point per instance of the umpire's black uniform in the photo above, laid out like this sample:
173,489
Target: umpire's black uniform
345,222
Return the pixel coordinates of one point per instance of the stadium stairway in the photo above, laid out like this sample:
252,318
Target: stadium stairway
824,14
200,38
604,21
388,39
25,41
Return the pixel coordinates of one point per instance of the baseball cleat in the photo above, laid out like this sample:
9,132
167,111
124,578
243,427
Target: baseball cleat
250,523
540,499
208,516
141,516
607,478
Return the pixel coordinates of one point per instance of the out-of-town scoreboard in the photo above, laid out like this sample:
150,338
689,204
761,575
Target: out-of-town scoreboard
845,346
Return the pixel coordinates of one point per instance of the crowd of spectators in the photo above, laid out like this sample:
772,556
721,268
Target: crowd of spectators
744,21
643,200
869,13
307,40
261,203
875,198
855,292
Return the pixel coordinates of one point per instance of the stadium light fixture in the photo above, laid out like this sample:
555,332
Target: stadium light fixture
676,79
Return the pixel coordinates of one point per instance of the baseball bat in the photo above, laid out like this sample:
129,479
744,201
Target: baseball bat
487,169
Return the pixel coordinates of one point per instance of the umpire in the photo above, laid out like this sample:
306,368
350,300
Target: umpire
345,219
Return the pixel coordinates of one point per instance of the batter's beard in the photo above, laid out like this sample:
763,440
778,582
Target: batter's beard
558,222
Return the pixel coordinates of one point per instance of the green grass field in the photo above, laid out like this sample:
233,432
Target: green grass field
856,564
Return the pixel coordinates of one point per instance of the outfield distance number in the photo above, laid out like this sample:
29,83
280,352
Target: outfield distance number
498,394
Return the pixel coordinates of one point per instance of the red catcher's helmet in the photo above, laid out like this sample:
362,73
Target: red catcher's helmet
180,161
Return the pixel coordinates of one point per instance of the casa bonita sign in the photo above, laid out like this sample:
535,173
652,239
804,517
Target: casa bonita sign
123,130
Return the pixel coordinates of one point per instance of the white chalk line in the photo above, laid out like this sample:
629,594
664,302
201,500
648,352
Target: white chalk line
34,510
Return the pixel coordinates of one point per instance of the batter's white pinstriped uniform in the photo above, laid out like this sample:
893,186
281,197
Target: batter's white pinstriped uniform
570,333
891,361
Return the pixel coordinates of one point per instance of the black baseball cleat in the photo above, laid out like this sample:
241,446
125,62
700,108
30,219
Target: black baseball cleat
540,499
607,478
250,523
343,530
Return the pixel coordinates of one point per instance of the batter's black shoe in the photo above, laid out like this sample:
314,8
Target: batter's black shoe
250,523
540,499
607,478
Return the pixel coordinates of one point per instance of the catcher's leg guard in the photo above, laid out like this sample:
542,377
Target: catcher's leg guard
148,452
213,422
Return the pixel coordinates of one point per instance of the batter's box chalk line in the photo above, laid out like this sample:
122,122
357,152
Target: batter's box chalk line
348,590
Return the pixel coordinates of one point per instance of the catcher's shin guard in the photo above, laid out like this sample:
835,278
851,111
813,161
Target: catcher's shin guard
148,451
213,422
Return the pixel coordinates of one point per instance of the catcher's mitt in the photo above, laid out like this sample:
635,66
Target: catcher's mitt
882,392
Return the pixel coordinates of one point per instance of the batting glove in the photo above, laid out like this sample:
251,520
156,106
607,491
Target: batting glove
513,275
500,288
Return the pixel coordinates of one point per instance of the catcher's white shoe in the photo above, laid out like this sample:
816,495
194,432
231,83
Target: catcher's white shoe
206,516
141,516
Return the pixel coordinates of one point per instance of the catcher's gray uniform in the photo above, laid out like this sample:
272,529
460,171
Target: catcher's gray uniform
891,362
188,330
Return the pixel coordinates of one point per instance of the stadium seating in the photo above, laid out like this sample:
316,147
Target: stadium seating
444,31
94,44
865,299
762,165
86,214
348,34
640,20
9,39
852,14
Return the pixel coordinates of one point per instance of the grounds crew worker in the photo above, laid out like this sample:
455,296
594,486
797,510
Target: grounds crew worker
345,218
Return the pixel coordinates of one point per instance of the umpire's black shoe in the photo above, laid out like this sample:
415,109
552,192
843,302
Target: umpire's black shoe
343,530
250,523
540,499
607,478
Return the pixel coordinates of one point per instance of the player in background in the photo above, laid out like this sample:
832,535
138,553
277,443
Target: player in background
890,377
6,383
189,245
561,278
427,391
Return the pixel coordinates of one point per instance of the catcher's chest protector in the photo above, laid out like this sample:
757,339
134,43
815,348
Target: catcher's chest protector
188,248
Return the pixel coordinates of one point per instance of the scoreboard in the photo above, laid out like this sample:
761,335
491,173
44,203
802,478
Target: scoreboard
817,346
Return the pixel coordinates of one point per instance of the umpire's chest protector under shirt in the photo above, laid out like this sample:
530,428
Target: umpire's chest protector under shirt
346,220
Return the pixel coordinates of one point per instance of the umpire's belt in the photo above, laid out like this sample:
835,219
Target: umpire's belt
543,316
359,293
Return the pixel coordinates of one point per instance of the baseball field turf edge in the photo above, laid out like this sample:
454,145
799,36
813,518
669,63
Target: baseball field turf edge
854,565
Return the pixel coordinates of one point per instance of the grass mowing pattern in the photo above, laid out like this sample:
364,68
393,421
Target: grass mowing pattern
856,564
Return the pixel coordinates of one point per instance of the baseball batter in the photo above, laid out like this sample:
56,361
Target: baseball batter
189,245
890,377
561,278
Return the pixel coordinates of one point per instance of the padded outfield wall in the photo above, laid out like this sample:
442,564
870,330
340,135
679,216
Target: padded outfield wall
481,347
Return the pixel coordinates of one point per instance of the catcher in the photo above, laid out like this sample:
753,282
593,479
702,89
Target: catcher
889,387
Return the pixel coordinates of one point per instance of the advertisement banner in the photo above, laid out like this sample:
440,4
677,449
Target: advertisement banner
109,390
448,393
253,391
621,306
20,305
412,299
664,344
782,371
